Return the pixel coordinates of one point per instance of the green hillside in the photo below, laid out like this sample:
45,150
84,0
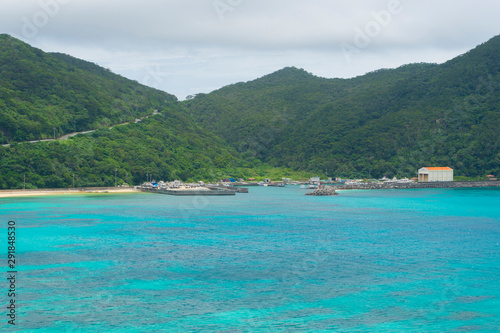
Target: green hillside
388,122
42,94
40,91
167,146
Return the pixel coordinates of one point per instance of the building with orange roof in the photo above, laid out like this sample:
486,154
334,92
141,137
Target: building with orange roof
435,174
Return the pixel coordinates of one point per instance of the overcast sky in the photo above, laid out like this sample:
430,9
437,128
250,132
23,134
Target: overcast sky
186,47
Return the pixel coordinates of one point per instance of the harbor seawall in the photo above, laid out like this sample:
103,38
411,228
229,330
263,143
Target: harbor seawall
189,192
382,186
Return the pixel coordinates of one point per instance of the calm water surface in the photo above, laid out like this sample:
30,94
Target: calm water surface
272,260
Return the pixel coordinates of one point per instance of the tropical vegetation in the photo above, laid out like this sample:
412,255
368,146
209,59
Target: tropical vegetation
286,124
384,123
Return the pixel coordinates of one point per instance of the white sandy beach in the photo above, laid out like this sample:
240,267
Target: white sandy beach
66,191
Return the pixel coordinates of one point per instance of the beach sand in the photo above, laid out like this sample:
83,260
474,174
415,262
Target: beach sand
64,191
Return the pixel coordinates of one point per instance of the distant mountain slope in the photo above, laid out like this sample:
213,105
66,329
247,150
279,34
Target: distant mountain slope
386,122
167,146
42,93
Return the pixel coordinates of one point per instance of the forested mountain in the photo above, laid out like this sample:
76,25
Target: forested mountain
167,146
388,122
40,91
42,94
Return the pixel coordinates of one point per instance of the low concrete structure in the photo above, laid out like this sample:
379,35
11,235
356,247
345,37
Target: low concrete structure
229,188
435,174
185,191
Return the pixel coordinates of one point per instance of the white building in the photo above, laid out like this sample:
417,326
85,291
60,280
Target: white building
314,180
435,174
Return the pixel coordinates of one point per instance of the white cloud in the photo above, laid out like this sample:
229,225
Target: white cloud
194,50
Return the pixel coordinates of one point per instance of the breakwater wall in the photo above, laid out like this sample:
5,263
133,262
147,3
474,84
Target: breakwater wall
229,188
188,192
325,191
382,186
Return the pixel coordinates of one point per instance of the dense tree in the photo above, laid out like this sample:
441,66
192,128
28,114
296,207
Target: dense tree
384,123
153,147
388,122
46,94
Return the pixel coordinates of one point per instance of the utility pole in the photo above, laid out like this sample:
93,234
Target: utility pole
54,133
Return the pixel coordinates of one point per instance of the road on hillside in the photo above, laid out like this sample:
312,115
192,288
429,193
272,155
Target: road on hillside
66,136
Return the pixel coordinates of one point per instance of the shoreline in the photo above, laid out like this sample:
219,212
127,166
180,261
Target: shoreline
409,186
340,188
65,191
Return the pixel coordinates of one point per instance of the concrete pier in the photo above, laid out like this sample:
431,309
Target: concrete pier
380,186
185,192
230,188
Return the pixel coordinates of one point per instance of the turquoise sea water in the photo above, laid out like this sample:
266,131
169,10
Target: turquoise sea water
272,260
